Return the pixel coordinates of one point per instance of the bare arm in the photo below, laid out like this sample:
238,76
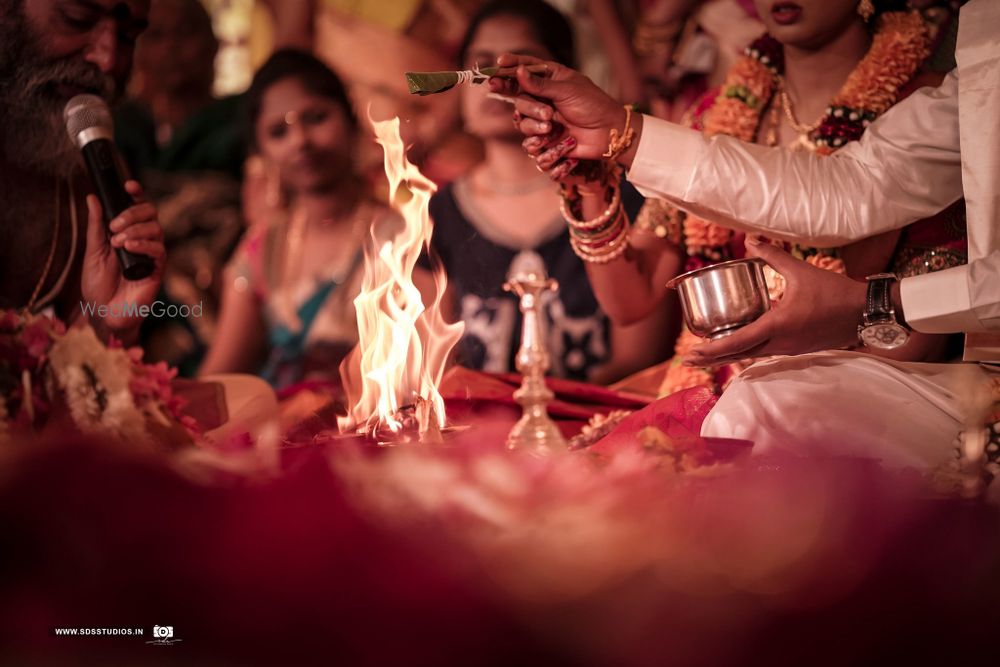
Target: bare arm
239,338
641,344
632,286
655,43
618,47
631,289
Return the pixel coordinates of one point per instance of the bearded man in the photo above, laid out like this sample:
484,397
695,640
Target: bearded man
54,250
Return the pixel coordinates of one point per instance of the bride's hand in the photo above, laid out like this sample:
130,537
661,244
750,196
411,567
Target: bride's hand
588,178
562,97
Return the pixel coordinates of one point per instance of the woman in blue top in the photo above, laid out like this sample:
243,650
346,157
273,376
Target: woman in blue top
287,307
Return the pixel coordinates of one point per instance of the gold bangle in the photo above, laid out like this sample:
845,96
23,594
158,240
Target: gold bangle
600,220
619,143
600,237
614,253
599,177
606,246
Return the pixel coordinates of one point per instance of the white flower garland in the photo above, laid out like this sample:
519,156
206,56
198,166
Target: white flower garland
95,380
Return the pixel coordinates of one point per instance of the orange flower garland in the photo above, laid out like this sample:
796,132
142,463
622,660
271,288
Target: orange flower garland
899,48
736,113
680,377
901,44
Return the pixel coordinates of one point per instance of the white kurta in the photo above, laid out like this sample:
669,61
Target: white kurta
928,151
849,403
925,153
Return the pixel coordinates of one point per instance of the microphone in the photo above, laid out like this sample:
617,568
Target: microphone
88,121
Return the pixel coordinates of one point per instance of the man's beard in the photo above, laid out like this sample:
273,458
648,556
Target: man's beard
32,131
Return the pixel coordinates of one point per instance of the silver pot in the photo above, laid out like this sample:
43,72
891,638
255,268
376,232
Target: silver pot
719,299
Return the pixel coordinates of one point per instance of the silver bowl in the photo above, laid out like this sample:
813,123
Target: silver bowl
719,299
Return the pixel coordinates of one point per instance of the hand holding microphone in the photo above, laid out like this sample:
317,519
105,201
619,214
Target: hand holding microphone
88,121
119,221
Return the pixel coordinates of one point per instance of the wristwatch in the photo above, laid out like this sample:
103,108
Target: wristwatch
880,329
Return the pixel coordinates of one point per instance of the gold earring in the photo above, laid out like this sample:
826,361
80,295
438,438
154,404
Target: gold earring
866,9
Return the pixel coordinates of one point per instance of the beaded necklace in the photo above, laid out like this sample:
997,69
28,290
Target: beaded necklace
900,45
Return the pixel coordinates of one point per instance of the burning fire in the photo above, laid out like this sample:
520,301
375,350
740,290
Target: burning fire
403,346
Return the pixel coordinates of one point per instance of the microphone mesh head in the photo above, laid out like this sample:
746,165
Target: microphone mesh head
85,112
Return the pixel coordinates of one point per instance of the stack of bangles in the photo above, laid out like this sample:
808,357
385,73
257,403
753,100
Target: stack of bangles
603,238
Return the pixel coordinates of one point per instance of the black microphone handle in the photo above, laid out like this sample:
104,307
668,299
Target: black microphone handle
109,183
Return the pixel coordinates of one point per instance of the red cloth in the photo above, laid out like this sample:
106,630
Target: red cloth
469,390
679,417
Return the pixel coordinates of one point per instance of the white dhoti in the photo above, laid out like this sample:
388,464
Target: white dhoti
847,403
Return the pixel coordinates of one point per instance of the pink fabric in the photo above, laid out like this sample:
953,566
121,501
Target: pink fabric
678,416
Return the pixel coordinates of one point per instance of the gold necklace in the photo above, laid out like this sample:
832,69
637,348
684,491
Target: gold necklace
786,102
771,139
803,142
496,187
52,254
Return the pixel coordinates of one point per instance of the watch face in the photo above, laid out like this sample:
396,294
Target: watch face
884,336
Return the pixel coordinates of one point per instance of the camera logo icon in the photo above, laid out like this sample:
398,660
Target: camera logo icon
163,635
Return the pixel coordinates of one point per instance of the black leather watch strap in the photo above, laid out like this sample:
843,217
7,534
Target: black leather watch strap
879,303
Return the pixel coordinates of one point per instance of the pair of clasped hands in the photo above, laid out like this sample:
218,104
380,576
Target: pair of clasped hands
566,119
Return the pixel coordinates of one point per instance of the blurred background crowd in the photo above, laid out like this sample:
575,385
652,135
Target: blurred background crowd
247,123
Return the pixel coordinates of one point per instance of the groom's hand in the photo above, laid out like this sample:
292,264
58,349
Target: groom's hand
819,310
558,102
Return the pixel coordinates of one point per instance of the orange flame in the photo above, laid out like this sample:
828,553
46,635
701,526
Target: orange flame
404,346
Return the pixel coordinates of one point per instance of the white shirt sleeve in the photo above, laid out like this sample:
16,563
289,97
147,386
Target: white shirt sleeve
965,298
906,167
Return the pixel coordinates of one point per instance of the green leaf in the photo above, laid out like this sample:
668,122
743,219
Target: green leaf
428,83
